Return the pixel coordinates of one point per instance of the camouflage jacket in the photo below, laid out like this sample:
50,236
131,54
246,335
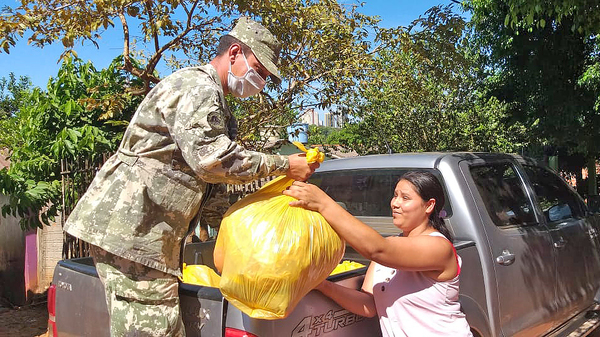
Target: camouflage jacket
140,203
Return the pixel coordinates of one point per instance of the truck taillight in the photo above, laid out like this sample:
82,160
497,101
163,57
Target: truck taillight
52,311
231,332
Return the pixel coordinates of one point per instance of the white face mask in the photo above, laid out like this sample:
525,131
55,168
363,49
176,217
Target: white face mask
251,83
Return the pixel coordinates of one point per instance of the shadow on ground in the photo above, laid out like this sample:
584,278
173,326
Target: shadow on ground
27,321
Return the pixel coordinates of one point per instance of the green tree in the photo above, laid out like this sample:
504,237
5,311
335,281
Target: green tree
542,59
183,33
423,93
317,135
580,15
77,117
322,135
332,139
324,44
11,92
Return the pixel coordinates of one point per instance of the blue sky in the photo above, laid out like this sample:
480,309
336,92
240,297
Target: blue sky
40,64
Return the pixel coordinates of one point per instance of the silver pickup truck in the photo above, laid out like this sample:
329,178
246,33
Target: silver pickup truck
529,245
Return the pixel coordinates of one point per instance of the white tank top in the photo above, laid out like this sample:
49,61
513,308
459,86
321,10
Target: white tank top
413,305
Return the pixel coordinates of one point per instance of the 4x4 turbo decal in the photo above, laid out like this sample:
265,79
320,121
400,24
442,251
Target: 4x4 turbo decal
314,326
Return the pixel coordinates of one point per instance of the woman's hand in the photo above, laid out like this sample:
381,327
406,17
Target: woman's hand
309,196
355,301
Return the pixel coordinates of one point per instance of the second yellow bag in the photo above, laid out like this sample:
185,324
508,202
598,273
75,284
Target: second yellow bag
273,254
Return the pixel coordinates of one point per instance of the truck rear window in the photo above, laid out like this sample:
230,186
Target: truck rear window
365,192
556,199
503,194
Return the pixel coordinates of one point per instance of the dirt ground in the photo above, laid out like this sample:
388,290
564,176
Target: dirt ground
32,321
26,321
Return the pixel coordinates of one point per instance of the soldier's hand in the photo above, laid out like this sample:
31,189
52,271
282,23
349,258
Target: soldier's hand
299,169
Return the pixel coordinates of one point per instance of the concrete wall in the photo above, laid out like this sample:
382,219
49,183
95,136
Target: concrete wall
27,258
50,242
12,259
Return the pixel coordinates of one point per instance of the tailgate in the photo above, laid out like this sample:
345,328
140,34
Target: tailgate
314,316
80,302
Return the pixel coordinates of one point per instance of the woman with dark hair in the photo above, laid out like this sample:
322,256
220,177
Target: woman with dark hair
413,280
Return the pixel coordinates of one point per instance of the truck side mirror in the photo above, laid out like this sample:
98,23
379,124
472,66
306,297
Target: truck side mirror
593,202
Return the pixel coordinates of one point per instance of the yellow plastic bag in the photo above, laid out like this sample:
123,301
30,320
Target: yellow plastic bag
201,275
273,254
346,266
312,155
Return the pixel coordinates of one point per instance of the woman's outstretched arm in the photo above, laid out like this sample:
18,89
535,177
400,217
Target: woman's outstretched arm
419,253
356,301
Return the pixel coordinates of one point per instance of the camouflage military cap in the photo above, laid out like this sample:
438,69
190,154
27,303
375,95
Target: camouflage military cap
264,45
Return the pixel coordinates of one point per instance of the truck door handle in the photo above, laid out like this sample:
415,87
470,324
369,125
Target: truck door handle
506,259
561,243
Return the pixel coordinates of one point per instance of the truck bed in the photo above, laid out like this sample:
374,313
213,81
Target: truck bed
81,308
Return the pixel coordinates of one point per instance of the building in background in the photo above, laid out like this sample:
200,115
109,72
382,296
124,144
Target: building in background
341,120
329,120
332,120
310,117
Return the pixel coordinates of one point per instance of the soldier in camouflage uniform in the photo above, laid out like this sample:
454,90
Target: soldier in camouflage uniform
178,144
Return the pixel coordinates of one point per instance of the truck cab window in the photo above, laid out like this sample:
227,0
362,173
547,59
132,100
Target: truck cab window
503,194
364,192
556,199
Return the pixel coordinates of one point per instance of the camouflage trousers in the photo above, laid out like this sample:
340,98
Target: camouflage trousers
142,301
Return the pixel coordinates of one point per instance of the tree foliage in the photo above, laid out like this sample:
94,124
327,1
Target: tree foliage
580,16
85,21
324,43
75,117
11,92
543,67
56,124
413,88
424,93
322,135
